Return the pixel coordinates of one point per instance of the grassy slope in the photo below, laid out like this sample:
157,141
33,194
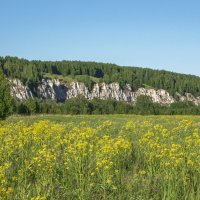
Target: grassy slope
69,79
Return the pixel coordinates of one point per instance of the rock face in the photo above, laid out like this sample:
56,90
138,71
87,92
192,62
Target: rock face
54,89
158,96
189,97
19,90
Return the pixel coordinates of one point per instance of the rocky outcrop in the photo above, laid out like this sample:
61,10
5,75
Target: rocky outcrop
158,96
19,90
189,97
54,89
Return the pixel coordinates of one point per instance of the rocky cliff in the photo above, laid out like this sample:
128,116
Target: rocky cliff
56,90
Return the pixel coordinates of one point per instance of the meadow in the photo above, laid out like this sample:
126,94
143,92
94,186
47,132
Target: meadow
122,157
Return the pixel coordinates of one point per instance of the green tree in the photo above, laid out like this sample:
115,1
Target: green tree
5,97
144,105
30,106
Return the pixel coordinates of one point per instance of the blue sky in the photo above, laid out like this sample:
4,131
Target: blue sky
159,34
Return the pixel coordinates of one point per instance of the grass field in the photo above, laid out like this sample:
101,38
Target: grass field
100,157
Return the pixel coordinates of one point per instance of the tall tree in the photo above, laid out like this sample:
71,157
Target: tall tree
5,97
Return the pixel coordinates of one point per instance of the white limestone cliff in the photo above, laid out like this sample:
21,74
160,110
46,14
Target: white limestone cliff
56,90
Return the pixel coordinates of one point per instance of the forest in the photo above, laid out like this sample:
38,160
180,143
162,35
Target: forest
31,72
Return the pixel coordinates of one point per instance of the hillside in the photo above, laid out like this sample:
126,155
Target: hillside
75,87
32,72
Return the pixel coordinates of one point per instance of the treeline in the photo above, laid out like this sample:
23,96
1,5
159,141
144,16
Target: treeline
79,105
31,72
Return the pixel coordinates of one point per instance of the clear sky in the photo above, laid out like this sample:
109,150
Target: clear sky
159,34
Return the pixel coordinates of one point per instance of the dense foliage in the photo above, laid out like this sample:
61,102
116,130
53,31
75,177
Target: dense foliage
79,105
30,72
5,97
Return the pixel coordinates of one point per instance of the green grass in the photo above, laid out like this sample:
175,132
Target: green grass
68,79
117,119
147,86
